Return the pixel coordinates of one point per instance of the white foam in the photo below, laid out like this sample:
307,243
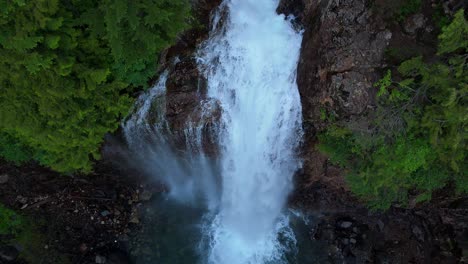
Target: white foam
251,70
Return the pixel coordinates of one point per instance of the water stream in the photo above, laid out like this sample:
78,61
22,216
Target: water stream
250,63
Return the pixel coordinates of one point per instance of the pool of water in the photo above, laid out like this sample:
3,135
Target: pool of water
173,233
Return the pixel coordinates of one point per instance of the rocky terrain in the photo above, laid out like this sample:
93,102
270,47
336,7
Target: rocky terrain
345,49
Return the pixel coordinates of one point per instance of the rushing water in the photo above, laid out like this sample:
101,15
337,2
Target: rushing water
250,63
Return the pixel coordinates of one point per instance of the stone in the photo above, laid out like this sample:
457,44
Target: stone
418,233
8,253
21,199
134,219
100,259
118,257
83,248
4,178
352,241
105,213
346,224
380,224
414,23
145,195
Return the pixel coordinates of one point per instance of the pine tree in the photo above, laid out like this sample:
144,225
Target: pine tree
67,68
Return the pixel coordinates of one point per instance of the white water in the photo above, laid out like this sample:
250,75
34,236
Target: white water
250,65
152,149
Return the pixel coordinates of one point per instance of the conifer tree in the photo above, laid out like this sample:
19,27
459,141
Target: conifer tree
68,66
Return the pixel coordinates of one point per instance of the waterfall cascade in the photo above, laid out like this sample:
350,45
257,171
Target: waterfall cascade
250,64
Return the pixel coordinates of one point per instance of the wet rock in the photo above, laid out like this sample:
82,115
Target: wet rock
134,217
346,224
345,241
380,224
4,178
118,257
145,195
188,108
294,8
408,237
105,213
83,248
8,253
414,23
418,233
100,259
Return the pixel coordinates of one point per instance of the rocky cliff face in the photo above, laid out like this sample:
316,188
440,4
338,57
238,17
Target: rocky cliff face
347,45
186,102
343,47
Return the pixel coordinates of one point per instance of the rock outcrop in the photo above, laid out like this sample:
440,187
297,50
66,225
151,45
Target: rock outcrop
343,46
346,47
186,100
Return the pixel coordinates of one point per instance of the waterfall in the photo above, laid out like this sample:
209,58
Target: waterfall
152,147
250,63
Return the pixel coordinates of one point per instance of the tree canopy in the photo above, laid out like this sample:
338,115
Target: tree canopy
67,68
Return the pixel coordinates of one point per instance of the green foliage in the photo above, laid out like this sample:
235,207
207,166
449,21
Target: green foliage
67,69
418,139
10,222
337,144
384,83
439,18
454,37
136,32
11,149
24,232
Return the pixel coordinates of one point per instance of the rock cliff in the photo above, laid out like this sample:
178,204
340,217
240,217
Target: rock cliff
347,44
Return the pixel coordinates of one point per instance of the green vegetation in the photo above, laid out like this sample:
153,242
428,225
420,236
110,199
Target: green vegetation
19,230
10,222
439,18
11,149
417,142
67,69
